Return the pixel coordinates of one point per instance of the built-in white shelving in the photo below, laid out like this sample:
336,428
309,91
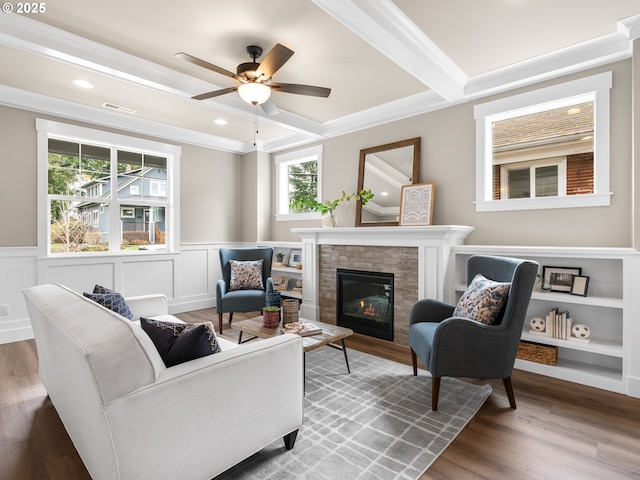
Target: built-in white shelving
292,273
608,310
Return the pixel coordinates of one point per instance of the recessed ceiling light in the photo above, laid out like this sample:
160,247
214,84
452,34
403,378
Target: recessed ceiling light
220,121
573,111
384,194
83,84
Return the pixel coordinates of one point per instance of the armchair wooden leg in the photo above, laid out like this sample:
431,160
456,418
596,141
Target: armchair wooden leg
230,317
435,392
509,388
414,362
290,439
220,322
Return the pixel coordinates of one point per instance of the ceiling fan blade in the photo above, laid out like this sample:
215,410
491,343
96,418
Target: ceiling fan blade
269,107
275,59
207,65
301,89
215,93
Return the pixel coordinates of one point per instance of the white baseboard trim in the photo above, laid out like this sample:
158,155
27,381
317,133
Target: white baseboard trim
633,387
15,331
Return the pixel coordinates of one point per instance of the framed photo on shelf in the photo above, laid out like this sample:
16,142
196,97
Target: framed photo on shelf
283,283
579,285
416,204
295,258
560,278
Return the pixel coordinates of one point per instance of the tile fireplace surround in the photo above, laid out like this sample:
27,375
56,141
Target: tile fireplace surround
417,256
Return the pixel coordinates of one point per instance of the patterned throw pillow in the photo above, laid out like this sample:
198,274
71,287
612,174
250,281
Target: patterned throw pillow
483,300
113,301
181,342
246,275
102,290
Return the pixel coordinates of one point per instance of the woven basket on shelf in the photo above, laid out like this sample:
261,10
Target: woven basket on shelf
535,352
290,308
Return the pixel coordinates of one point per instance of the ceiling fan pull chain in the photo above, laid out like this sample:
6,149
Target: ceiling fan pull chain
255,123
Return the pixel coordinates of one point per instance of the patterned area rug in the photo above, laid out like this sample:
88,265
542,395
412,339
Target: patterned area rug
375,423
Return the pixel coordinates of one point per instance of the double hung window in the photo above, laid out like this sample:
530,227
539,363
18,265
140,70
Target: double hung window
106,192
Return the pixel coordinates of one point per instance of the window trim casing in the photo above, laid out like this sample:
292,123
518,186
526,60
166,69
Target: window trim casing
46,128
596,87
282,161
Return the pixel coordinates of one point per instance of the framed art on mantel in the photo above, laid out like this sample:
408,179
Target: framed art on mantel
416,204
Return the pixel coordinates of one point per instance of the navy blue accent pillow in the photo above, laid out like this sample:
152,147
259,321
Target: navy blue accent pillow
181,342
113,301
102,290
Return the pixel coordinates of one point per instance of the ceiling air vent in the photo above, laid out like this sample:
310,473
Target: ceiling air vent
118,108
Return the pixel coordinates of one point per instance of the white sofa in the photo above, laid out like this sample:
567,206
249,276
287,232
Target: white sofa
130,417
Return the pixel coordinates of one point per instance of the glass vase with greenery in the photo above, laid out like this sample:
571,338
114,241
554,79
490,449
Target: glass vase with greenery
311,204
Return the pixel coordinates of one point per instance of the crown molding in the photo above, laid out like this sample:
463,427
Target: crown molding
35,102
594,53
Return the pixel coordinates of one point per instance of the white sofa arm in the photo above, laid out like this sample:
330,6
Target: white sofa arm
148,305
202,417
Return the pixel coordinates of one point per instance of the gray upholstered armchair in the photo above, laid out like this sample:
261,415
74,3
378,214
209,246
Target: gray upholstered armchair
455,346
228,299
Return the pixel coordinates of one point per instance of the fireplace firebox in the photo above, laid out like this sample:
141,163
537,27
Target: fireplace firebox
365,302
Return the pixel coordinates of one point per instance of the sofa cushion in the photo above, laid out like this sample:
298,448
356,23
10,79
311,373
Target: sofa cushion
113,301
483,300
102,290
246,275
181,342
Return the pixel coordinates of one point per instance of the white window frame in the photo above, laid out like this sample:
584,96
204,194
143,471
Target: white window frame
127,212
51,129
561,163
157,188
595,88
282,163
134,190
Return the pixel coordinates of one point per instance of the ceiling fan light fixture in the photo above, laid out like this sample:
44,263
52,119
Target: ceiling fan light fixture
254,93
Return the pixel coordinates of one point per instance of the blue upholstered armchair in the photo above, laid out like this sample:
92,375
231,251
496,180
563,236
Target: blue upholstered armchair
455,346
243,296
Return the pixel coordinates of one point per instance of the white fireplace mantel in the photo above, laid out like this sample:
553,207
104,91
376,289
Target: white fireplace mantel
433,243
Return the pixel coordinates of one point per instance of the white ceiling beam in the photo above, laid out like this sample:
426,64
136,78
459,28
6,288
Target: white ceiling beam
386,28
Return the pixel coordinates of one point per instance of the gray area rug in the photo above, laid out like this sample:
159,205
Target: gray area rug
375,423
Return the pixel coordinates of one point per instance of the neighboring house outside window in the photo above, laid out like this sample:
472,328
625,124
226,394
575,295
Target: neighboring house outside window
103,196
544,154
298,174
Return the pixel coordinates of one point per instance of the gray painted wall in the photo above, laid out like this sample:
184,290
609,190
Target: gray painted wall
448,160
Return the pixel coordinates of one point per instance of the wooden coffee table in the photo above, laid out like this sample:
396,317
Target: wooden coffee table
330,334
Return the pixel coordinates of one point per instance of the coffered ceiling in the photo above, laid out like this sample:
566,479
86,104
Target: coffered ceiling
384,60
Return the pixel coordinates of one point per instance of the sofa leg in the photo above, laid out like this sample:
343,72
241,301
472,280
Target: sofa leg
509,388
435,392
290,439
414,362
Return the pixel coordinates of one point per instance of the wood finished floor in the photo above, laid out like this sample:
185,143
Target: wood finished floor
560,430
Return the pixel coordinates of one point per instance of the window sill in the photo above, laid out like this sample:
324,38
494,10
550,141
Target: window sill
570,201
293,217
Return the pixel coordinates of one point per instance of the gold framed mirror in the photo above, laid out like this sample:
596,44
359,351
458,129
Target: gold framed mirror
383,170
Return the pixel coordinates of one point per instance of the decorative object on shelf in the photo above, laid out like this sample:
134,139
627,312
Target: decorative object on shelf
283,284
560,278
538,324
281,256
536,352
416,204
579,285
290,311
543,285
295,258
273,298
271,316
581,331
310,204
